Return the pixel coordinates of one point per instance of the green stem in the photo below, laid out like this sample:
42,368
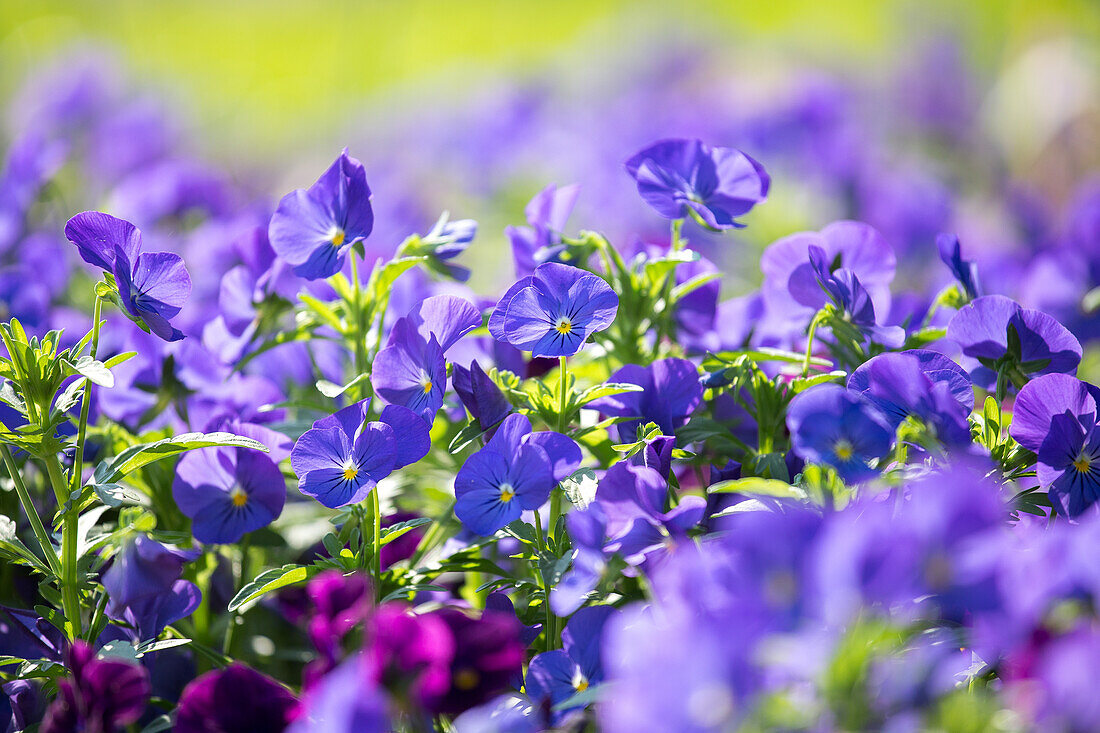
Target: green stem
28,507
810,346
376,559
677,243
70,592
359,331
243,572
85,404
563,395
431,537
549,631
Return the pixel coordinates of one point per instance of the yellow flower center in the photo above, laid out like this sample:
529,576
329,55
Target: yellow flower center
466,679
337,237
427,384
239,497
507,493
564,326
580,682
843,449
350,472
1082,463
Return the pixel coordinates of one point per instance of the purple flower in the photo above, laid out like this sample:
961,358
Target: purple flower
314,228
554,311
340,603
340,459
832,425
99,695
411,370
347,700
670,393
144,586
1055,416
966,273
557,675
409,652
234,699
588,531
541,242
446,240
152,286
922,383
997,332
515,471
228,492
480,395
488,658
679,178
632,500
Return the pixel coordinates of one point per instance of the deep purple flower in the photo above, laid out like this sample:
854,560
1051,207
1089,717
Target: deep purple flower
26,635
100,696
679,178
339,603
340,459
554,311
996,331
540,242
515,471
152,286
488,658
25,702
966,273
832,425
922,383
314,228
670,393
144,586
411,370
1056,417
480,395
409,653
228,492
557,675
234,700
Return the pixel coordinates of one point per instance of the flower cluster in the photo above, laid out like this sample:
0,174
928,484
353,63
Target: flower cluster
328,485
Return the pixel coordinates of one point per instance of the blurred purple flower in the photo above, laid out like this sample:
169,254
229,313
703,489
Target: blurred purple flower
555,676
540,242
235,699
681,178
144,587
99,695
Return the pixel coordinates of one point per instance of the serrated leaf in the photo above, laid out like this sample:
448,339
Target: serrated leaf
115,469
271,580
94,370
333,390
115,495
804,383
156,646
394,531
580,487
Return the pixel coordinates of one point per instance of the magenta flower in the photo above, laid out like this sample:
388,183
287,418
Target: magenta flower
100,695
237,698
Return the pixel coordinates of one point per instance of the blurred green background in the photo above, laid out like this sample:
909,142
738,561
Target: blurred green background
259,75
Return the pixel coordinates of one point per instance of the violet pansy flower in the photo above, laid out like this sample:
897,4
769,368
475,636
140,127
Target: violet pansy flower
553,312
680,178
670,393
228,492
1001,334
152,286
314,228
515,471
340,459
99,694
541,242
832,425
557,675
145,589
234,699
411,370
964,272
480,395
1056,417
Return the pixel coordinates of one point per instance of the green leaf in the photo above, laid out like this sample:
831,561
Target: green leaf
693,284
94,370
756,487
765,353
271,580
392,532
402,593
332,390
122,650
323,310
605,390
158,724
156,646
580,487
115,469
115,495
804,383
119,359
